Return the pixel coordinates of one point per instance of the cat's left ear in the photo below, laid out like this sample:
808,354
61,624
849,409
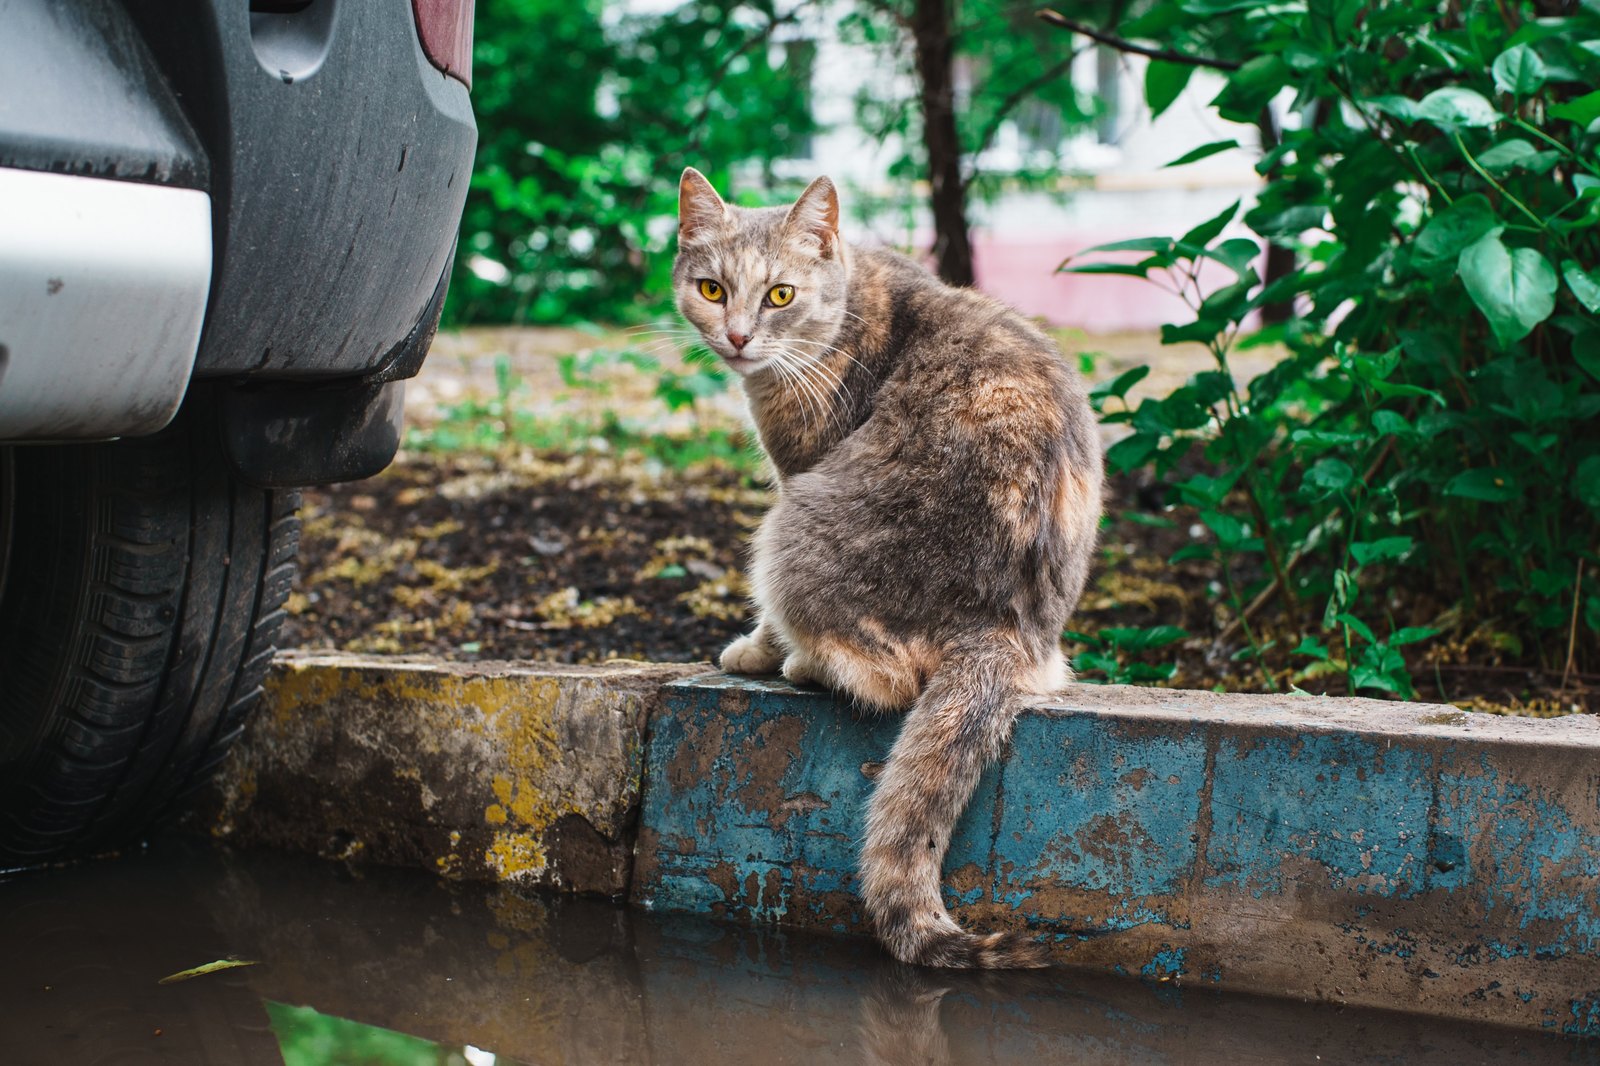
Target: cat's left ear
699,207
816,216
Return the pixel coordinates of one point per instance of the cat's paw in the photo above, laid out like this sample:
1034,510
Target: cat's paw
749,656
798,669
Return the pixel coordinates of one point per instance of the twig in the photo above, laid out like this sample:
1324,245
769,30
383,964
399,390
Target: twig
1056,18
1572,630
1009,104
1281,577
696,124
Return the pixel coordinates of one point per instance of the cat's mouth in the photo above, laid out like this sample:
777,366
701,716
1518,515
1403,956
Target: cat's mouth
742,364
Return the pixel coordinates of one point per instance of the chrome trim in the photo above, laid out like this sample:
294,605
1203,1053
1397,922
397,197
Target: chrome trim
103,288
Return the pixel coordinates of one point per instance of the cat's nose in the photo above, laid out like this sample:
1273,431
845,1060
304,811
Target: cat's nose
738,340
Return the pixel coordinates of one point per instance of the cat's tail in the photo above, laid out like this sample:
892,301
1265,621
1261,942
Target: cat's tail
954,729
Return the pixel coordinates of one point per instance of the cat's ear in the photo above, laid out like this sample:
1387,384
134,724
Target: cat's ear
699,207
816,216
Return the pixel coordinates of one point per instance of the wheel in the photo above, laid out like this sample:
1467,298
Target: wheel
141,591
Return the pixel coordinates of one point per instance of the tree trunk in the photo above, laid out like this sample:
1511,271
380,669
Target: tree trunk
952,247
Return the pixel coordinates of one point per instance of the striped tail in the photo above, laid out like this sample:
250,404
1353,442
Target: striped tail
954,729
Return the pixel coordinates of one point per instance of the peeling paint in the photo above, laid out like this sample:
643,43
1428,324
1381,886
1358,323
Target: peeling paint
1349,851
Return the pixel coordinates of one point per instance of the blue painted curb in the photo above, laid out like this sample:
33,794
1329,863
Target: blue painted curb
1370,852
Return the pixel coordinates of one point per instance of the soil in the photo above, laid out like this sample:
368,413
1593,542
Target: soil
581,558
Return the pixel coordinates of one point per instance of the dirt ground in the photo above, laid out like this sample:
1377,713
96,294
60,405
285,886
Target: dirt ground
520,553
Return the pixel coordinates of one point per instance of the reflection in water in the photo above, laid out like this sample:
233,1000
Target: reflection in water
307,1037
900,1022
387,967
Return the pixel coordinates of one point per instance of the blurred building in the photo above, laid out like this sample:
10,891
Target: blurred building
1114,181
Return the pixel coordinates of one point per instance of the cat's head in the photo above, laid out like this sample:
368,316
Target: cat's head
764,286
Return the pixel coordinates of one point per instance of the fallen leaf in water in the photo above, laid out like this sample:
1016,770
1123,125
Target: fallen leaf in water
201,971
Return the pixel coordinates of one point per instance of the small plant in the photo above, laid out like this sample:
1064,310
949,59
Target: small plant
1117,654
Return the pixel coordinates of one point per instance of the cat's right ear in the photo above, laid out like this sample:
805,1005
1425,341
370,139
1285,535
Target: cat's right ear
700,209
815,217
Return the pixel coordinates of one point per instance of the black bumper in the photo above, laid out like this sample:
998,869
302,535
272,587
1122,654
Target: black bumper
337,158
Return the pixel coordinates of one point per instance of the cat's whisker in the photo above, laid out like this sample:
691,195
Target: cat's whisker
786,375
823,404
828,349
812,362
804,390
834,387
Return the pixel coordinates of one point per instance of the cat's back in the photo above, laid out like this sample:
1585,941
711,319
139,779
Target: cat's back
959,353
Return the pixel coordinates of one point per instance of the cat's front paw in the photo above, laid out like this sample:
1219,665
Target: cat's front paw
798,669
749,656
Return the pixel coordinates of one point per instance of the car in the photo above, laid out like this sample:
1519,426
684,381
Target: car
226,231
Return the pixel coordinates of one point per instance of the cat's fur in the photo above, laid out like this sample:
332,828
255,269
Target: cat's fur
938,500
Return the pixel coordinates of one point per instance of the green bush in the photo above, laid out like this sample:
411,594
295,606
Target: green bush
1430,443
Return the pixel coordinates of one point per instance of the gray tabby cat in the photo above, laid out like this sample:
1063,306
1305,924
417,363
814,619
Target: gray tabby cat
939,481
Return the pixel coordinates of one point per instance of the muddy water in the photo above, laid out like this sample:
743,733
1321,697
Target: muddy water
393,968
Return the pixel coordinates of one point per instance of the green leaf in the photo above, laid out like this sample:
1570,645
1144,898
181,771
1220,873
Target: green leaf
1586,352
1163,83
1133,244
1330,475
1400,107
1514,288
1211,228
1356,624
1483,483
1132,452
1583,110
1201,330
1235,253
1313,647
1367,552
1453,107
1411,635
1194,155
1390,389
1517,153
1156,637
1229,530
1462,223
1364,676
1586,482
1119,385
1519,71
1250,88
1392,422
1190,551
1132,270
1584,284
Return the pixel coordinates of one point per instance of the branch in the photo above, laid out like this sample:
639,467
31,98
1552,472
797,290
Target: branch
1009,104
1055,18
696,123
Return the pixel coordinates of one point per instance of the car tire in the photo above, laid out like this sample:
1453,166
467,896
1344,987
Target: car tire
141,591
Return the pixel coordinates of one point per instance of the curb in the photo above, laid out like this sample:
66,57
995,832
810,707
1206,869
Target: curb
526,773
1343,850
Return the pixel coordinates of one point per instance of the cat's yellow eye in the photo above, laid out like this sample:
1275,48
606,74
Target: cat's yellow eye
780,295
711,290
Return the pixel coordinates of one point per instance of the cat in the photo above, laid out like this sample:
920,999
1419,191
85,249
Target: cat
938,499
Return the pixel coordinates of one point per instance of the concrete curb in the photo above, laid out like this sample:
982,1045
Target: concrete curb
518,772
1394,855
1375,853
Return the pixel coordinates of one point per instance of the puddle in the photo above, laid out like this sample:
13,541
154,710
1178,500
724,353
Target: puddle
391,968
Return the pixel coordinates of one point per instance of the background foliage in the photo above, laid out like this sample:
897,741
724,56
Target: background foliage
1424,465
586,117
